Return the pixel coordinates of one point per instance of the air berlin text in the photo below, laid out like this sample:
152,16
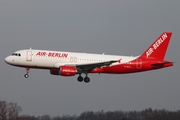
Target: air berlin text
52,54
156,44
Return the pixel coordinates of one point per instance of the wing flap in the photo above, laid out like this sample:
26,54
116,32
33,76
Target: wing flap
91,66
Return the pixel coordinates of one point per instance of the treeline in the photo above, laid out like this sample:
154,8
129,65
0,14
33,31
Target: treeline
147,114
10,111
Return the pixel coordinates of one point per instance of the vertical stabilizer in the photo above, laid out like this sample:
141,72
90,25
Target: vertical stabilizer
158,49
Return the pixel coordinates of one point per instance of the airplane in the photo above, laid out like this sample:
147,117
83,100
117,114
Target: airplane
72,63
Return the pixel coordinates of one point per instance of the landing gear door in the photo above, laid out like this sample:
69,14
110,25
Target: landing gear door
29,56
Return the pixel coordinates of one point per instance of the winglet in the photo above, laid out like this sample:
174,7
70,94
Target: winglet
158,48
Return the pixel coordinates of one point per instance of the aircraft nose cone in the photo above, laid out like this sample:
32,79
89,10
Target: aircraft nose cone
7,60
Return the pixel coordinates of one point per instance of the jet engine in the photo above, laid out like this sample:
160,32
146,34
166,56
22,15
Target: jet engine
64,71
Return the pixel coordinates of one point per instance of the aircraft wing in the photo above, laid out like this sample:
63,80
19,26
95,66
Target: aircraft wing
83,68
91,66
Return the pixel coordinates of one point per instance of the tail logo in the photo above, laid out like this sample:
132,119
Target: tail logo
156,45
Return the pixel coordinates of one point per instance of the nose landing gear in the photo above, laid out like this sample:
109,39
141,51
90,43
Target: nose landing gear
27,73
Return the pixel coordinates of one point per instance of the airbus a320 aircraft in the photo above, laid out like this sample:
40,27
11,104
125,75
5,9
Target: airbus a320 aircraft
72,63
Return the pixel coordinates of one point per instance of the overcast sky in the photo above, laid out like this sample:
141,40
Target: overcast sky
120,27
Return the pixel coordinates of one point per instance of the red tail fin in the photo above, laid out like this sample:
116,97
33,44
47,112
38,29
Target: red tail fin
158,48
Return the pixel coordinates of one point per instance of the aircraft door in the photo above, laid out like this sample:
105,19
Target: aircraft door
139,64
29,56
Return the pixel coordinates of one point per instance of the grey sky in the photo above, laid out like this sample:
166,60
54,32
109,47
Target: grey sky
122,27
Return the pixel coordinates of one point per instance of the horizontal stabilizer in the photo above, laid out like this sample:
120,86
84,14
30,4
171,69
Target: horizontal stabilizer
162,64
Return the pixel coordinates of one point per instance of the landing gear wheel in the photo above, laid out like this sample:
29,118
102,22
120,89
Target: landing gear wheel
86,79
80,78
26,75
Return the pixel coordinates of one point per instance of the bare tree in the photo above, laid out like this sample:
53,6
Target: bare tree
13,111
3,110
9,111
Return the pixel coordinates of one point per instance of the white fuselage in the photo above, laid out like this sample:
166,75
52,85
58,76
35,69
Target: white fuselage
54,59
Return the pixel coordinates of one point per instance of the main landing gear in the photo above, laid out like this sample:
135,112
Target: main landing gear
27,73
86,78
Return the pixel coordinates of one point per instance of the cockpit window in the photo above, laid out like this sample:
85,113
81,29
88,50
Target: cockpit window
16,54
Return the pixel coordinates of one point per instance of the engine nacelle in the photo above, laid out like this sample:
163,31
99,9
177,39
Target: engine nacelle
67,70
64,71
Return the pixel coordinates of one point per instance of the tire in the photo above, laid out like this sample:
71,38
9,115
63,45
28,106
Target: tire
80,78
86,79
26,75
